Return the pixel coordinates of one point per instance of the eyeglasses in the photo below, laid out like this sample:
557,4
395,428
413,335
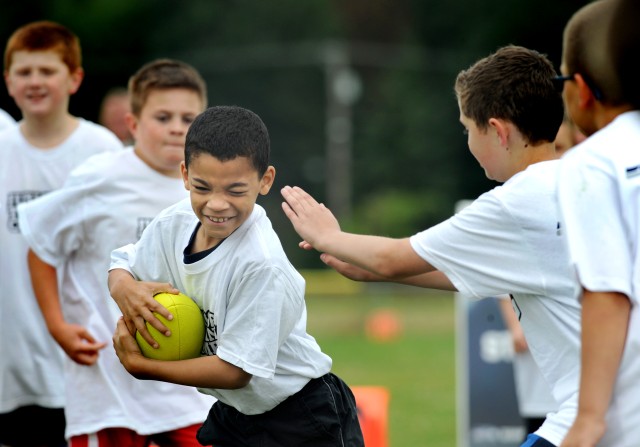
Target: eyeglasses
560,80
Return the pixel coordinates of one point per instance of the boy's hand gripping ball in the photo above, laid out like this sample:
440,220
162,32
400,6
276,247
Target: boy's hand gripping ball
187,330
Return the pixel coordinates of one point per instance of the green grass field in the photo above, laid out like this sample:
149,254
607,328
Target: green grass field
417,367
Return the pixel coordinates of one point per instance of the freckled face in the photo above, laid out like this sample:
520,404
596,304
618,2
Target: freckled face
223,194
40,82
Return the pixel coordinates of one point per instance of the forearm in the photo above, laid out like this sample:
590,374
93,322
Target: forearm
393,259
432,280
44,281
508,315
605,319
202,372
387,257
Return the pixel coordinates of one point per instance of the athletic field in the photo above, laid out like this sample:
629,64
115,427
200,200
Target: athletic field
416,366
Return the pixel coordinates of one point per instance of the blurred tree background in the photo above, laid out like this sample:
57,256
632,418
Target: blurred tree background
357,94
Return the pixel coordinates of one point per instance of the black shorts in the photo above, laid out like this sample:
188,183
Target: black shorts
322,414
17,427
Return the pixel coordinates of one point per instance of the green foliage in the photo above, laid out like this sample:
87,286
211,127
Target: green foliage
410,162
398,213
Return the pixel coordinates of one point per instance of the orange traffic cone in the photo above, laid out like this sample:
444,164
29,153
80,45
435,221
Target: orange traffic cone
372,403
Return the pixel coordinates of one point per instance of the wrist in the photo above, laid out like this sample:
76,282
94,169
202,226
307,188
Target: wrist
57,329
323,243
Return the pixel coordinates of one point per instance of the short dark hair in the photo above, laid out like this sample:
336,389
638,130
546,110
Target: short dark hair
228,132
624,47
586,49
514,84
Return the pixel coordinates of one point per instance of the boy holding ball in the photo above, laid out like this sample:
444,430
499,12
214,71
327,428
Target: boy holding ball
272,381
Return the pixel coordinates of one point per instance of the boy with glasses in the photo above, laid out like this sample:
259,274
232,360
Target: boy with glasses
598,193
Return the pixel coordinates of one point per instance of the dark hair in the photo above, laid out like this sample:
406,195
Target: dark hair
624,47
45,36
514,84
164,74
227,132
586,49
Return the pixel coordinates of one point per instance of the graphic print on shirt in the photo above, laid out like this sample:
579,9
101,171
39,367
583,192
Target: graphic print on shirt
210,345
15,198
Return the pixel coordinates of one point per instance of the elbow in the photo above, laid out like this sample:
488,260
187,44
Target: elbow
239,380
390,270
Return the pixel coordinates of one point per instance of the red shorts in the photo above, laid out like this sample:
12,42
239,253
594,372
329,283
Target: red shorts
119,437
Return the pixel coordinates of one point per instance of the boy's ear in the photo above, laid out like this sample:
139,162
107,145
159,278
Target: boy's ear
185,175
76,79
132,123
267,180
501,129
585,95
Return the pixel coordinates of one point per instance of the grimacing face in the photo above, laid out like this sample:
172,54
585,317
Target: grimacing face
223,194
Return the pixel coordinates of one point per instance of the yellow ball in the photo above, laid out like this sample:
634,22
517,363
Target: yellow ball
187,330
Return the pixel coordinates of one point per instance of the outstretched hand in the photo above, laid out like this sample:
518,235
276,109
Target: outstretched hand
312,220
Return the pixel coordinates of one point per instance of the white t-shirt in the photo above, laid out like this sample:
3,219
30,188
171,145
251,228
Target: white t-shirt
31,362
252,299
106,203
6,120
599,196
532,390
508,241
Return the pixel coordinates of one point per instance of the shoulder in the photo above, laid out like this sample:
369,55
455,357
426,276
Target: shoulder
533,188
6,120
258,233
104,164
97,134
13,146
536,175
10,134
179,212
260,244
536,185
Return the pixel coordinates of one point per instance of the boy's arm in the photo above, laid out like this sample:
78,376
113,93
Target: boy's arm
74,339
393,259
204,372
512,324
431,280
605,319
